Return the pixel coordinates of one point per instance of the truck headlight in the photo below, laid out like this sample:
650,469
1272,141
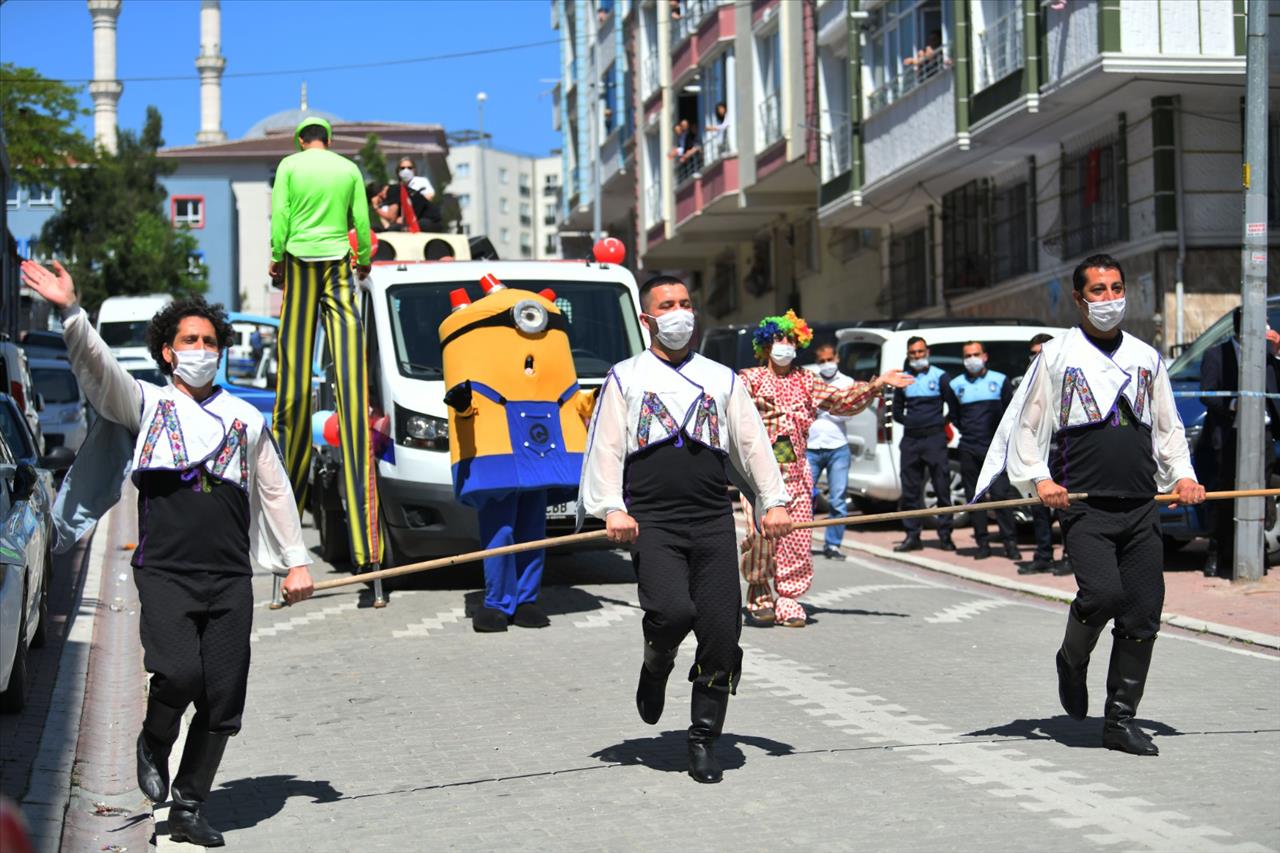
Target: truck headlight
424,432
530,317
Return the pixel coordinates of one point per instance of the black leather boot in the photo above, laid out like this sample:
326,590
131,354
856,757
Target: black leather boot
911,543
1073,665
200,759
1130,660
707,715
155,742
651,692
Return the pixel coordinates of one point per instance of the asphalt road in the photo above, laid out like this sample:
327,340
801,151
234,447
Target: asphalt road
914,713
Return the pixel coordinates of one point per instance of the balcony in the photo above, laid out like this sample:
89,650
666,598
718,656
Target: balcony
1000,48
719,145
687,170
653,204
908,79
692,13
839,148
769,121
649,77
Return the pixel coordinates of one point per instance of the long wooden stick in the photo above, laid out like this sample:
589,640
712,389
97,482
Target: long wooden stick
595,535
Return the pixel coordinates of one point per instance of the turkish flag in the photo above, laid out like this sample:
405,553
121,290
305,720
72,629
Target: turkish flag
406,210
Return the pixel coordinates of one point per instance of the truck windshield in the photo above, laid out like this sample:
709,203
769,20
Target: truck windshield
126,334
603,327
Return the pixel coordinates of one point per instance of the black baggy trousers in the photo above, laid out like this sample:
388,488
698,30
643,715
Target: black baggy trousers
1118,558
195,640
688,581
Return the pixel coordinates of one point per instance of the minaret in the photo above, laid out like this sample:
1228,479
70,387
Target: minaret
105,88
210,64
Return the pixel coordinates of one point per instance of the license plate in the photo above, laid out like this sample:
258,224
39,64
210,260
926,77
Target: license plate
568,509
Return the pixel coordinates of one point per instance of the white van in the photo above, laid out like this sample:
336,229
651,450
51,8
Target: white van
123,321
864,353
403,304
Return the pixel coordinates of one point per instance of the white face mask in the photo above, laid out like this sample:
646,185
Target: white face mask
196,367
675,328
828,369
406,175
919,364
782,353
974,364
1105,316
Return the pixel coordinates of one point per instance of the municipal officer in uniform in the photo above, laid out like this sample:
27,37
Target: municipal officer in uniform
983,395
918,407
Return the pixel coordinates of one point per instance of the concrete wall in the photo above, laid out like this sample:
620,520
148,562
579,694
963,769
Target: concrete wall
1072,36
906,130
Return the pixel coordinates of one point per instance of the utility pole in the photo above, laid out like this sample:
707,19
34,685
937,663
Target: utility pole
1250,430
483,200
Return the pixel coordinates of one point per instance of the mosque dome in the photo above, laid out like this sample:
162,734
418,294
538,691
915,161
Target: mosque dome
285,121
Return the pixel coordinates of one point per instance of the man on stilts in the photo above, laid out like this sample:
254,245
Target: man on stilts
789,399
1106,399
314,193
668,426
209,480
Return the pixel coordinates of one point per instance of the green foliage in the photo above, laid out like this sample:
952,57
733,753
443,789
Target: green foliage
372,162
39,118
113,228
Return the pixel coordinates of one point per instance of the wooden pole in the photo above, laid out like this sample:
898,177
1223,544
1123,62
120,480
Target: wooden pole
597,535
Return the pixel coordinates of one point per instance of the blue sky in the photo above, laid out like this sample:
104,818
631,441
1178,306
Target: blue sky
162,38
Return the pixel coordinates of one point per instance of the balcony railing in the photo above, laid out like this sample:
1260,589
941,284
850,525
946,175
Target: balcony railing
909,78
691,14
719,145
653,203
688,169
1001,47
839,147
770,110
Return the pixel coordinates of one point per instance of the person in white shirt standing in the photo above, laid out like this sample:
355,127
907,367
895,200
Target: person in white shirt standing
829,449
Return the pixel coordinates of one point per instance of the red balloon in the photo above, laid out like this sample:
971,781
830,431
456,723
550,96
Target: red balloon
609,251
331,430
355,243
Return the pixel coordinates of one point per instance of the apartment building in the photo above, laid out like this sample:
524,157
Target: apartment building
594,113
987,146
512,198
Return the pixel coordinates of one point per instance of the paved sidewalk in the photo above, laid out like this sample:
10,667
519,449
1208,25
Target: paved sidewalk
1207,604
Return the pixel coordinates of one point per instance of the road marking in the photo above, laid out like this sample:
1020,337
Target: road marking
835,596
610,614
424,627
966,610
1037,785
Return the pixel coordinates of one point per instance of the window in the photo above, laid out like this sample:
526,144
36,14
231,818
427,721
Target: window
908,273
723,298
462,170
187,210
526,189
1010,232
195,264
504,175
464,201
504,235
717,89
11,195
526,214
609,99
999,29
526,245
759,278
550,246
965,250
39,196
908,42
504,206
1090,197
769,86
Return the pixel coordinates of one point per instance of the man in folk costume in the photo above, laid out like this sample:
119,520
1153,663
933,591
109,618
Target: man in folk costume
788,399
1106,399
670,429
209,480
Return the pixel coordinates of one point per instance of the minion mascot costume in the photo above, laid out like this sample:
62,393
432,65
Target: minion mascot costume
518,427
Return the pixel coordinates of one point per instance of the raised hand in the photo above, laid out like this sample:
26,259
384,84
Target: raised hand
896,378
55,286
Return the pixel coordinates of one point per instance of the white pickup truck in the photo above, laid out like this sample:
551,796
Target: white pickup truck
403,302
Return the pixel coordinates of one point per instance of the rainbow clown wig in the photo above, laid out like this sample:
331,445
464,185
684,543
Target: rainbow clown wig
787,326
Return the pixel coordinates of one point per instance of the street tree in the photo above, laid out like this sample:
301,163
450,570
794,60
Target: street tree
372,162
112,228
39,117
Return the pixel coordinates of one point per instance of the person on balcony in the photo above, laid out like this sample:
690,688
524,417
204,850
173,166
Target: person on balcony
718,130
929,58
687,151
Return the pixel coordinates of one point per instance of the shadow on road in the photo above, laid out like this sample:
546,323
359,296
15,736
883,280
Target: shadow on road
1085,733
668,751
242,803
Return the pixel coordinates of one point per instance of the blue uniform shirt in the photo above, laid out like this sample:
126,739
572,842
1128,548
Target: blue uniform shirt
918,407
983,400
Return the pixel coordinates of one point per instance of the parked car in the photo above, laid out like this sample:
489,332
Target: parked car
864,353
1182,525
123,322
64,417
252,381
16,376
38,343
26,557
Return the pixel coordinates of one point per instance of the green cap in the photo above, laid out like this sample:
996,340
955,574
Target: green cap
307,122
